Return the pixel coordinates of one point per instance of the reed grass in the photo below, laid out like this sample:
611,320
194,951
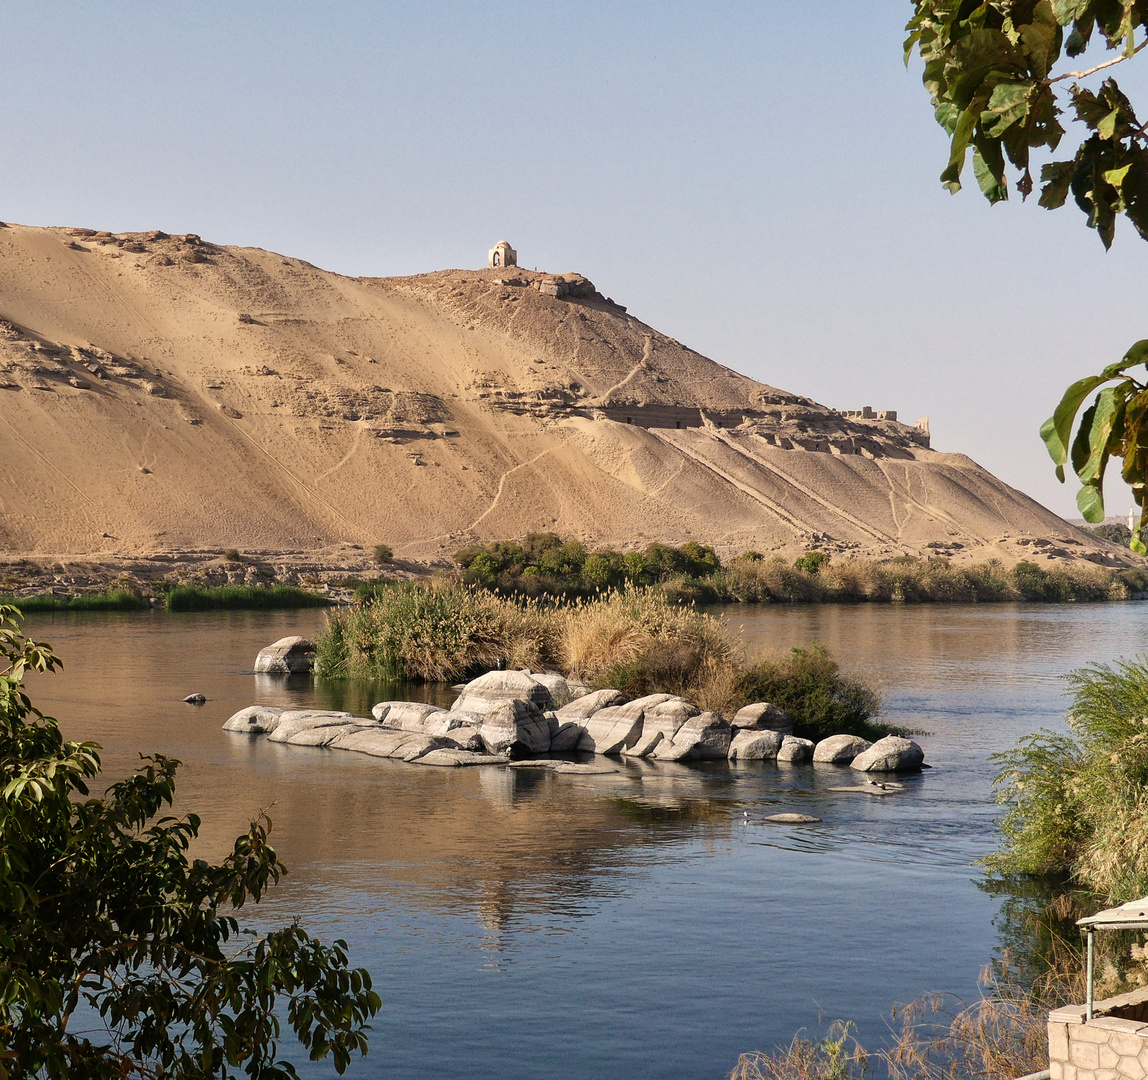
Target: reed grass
242,597
1078,802
111,600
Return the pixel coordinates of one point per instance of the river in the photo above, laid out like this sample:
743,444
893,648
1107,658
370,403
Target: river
523,925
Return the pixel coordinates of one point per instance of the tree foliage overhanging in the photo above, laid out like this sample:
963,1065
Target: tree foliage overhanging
991,71
119,955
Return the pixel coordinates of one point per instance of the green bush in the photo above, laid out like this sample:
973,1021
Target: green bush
1078,802
384,554
808,685
812,561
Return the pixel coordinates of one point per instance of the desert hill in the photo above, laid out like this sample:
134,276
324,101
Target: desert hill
164,394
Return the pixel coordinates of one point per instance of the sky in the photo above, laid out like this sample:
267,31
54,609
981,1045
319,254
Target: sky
755,179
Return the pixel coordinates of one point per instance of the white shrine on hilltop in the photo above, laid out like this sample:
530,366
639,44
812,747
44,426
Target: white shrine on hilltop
502,254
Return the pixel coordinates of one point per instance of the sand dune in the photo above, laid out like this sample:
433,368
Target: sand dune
163,394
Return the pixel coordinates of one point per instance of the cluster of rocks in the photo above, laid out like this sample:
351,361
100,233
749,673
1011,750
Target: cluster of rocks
506,715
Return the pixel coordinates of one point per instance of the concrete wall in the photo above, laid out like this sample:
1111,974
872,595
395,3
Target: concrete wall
1113,1045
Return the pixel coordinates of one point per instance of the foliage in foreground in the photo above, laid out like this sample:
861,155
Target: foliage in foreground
120,956
1078,802
635,640
989,74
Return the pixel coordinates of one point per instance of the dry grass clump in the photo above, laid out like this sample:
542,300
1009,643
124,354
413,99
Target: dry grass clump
636,640
837,1056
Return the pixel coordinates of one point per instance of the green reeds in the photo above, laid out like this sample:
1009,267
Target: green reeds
111,600
242,597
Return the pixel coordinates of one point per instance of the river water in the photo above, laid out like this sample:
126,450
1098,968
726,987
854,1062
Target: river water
525,925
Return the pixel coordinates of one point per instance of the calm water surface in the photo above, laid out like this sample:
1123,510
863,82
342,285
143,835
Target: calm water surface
524,925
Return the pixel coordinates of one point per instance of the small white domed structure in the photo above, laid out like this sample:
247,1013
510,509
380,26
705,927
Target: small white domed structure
502,254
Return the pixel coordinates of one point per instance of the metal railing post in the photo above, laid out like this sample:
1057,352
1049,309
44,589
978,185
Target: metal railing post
1088,1000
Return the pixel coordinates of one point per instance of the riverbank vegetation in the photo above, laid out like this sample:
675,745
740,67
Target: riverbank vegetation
111,600
1078,802
633,639
542,564
175,598
241,597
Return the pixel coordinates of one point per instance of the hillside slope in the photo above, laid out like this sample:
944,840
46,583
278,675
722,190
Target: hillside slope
160,393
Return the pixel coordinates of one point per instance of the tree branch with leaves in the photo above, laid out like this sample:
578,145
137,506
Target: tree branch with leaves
989,68
103,914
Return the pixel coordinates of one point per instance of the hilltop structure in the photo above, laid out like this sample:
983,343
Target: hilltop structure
502,254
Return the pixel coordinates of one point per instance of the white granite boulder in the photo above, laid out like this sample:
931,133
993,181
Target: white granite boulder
559,688
794,749
582,707
483,694
840,749
763,716
750,745
515,723
611,729
667,716
705,737
646,745
286,656
890,754
565,739
255,719
387,742
302,726
420,717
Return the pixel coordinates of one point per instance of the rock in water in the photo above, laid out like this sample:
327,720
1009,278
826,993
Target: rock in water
794,749
194,699
255,719
763,716
481,695
749,745
890,754
793,819
287,656
515,725
840,749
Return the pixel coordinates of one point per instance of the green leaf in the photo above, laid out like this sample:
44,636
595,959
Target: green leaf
1107,127
1056,429
1066,11
1090,501
1055,177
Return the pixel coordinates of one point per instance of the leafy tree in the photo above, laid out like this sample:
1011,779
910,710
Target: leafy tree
108,927
989,69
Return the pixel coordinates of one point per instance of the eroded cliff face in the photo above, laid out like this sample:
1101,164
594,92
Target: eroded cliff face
160,393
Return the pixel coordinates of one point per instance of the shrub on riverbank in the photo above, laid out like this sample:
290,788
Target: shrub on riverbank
112,600
1078,803
242,597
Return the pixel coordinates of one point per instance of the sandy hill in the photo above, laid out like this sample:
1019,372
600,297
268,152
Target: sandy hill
161,393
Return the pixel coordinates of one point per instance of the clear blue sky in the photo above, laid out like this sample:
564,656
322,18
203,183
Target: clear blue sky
756,179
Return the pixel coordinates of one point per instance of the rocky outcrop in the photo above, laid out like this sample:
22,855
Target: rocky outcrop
840,749
287,656
503,721
890,754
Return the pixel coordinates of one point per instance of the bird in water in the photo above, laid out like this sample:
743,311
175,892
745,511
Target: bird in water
745,815
876,783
